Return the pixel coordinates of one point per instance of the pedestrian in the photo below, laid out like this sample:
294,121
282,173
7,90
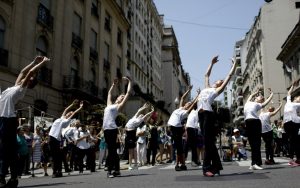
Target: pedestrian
176,123
22,150
267,132
29,139
8,121
93,141
37,147
254,127
110,127
102,149
211,164
152,140
45,151
130,127
291,122
56,137
141,133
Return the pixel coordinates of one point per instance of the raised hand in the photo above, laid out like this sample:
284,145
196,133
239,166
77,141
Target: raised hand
215,59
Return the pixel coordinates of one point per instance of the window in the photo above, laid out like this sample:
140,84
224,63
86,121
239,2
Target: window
2,32
94,8
106,51
119,37
93,39
77,24
107,22
44,15
45,74
75,72
42,46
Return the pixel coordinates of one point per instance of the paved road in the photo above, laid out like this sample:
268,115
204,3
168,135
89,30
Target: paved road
235,174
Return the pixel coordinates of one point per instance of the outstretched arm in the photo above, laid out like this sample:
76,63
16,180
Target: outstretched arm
291,89
69,107
109,94
146,116
275,111
121,105
26,69
140,110
77,110
29,71
225,82
184,96
252,95
207,74
194,101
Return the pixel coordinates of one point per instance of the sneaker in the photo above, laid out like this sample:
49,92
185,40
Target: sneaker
193,164
105,168
268,162
293,164
116,173
177,168
256,167
110,175
12,183
173,162
251,168
183,167
208,174
130,168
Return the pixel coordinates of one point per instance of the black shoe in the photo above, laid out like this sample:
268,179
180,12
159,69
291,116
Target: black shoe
183,167
116,173
46,174
12,183
177,168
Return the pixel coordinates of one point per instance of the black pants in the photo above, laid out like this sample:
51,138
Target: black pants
81,154
268,139
253,127
113,160
21,164
91,158
8,146
211,160
177,133
57,155
192,143
291,130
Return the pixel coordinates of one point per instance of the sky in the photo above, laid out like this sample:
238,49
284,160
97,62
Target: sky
205,28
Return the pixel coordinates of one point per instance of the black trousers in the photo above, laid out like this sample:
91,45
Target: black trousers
113,160
192,143
253,128
57,155
291,130
8,146
268,139
211,156
177,133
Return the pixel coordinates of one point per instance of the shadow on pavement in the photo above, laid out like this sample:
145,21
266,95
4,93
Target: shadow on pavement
44,185
132,175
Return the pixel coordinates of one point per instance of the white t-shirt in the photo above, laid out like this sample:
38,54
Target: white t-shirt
109,117
177,117
192,120
70,134
133,123
265,122
206,98
290,111
82,144
141,139
57,127
251,109
8,99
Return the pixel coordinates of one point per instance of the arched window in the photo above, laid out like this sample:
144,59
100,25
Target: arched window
42,46
2,32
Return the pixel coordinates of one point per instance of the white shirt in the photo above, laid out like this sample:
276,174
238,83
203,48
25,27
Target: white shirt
133,123
290,111
9,98
177,116
192,120
265,122
70,134
57,126
109,117
206,98
251,109
141,139
82,144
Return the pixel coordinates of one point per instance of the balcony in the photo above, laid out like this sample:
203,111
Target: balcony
76,41
44,17
238,69
239,98
3,57
75,83
93,54
238,80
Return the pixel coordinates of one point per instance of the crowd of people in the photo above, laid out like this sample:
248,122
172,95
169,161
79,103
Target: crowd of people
191,126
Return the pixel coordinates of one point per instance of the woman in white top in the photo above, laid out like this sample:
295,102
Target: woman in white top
267,132
110,127
211,163
56,134
8,120
291,122
130,127
253,127
177,129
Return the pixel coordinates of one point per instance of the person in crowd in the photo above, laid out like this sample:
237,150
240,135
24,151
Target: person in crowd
8,120
267,132
177,128
238,148
130,127
152,140
200,146
254,127
141,134
56,135
211,164
36,146
278,140
93,141
102,149
29,139
22,150
110,127
162,139
291,122
45,150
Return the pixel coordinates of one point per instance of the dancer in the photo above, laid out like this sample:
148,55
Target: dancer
267,132
131,127
253,126
8,121
175,122
211,164
110,127
56,134
291,125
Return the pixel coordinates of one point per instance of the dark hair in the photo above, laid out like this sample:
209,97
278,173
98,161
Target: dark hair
32,82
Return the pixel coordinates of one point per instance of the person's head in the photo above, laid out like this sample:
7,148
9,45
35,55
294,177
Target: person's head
218,83
297,99
20,130
271,109
120,99
38,130
33,81
236,132
187,105
259,99
68,114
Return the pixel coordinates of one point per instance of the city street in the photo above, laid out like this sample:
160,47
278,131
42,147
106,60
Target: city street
235,174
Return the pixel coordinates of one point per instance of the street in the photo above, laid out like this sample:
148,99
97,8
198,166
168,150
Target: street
235,174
